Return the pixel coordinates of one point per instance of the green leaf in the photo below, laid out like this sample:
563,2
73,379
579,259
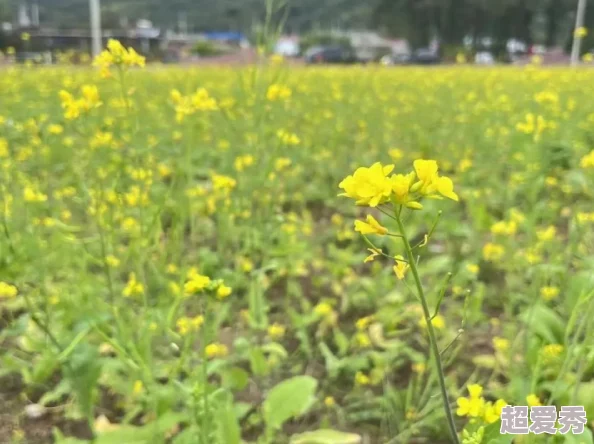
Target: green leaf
44,368
274,348
585,396
258,362
186,436
325,436
83,372
142,435
584,438
228,428
289,399
493,435
333,364
341,341
235,378
242,409
59,438
61,390
545,323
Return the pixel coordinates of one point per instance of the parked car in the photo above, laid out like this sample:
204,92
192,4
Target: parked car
425,56
420,56
484,58
34,57
330,54
396,59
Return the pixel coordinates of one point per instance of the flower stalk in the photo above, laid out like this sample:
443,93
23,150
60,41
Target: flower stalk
428,318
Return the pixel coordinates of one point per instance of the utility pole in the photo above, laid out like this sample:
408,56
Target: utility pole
95,11
35,14
182,23
577,39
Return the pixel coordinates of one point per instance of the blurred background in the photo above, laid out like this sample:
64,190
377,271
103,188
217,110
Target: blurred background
313,31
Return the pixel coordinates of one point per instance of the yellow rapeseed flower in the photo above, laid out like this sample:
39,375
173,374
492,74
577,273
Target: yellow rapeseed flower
368,186
474,405
276,331
548,293
362,379
196,283
500,345
580,32
373,255
401,267
278,92
133,287
492,412
493,252
546,234
186,325
216,350
7,291
533,400
372,226
223,292
323,309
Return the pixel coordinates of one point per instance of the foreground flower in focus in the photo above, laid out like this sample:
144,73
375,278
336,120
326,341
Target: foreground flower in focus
372,226
369,186
372,186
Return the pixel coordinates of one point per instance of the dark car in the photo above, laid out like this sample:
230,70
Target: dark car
330,54
32,57
396,59
425,57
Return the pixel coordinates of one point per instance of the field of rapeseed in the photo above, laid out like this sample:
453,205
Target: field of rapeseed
273,254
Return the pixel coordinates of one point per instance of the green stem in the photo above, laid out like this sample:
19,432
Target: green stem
431,331
205,420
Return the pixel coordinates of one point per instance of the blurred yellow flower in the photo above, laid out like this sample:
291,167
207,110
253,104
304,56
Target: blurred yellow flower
362,379
500,345
580,32
186,325
133,287
276,331
196,283
533,400
223,292
7,291
278,92
493,252
216,350
549,293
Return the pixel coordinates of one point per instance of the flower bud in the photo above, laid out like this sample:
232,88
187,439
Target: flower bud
414,206
416,187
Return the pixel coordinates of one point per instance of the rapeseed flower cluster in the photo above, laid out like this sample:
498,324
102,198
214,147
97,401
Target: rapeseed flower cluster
278,92
117,55
374,186
476,407
188,105
74,107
